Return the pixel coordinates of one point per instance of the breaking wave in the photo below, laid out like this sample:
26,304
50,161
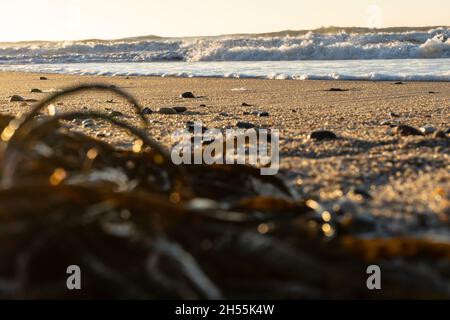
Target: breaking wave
434,43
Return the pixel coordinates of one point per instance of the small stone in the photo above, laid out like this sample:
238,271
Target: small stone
36,90
337,89
87,123
16,98
393,115
322,135
427,129
432,92
405,130
398,82
202,105
263,114
246,105
224,114
440,135
245,125
187,95
147,110
43,78
101,135
52,110
245,113
388,123
166,110
179,109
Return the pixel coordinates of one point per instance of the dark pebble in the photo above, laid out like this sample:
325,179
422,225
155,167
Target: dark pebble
245,125
16,98
243,104
187,95
202,105
398,82
36,90
43,78
180,109
245,113
322,135
432,92
263,114
147,110
394,115
337,89
405,130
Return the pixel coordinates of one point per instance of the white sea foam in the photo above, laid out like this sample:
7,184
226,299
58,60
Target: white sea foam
434,43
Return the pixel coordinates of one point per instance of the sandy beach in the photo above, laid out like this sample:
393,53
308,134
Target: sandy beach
393,175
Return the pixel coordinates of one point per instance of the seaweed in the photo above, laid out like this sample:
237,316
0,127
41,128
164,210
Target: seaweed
141,227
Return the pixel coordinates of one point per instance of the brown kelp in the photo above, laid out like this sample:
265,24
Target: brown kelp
141,227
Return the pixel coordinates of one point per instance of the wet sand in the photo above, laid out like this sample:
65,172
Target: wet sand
394,175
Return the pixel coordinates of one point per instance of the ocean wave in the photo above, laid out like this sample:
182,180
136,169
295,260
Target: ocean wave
434,43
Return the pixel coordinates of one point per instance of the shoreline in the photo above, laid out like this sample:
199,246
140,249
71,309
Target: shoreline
403,176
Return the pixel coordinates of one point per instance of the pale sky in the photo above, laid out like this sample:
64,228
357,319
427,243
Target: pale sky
107,19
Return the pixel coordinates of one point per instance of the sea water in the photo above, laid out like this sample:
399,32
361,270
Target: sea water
409,55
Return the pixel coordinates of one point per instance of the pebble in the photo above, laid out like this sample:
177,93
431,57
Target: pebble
224,114
405,130
87,123
147,110
427,129
440,135
16,98
245,113
202,105
243,104
337,89
263,114
322,135
245,125
187,95
388,123
166,110
398,82
179,109
36,90
43,78
394,115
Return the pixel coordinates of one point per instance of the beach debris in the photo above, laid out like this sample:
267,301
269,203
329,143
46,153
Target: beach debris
147,111
322,135
167,110
141,227
405,130
440,135
187,95
43,78
427,129
87,123
115,113
245,125
36,90
16,98
337,90
179,109
244,104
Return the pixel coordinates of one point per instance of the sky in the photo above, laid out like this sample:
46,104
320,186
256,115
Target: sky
109,19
